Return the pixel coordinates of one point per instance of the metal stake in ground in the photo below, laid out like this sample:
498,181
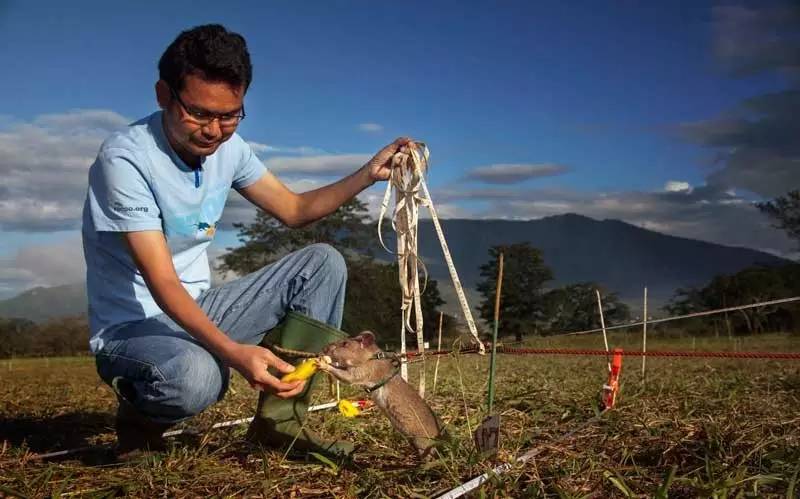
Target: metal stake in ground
487,435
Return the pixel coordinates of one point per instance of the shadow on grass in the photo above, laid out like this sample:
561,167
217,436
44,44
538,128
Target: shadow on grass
74,430
48,434
66,431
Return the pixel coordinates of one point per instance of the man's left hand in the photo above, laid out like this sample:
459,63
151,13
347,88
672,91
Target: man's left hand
380,166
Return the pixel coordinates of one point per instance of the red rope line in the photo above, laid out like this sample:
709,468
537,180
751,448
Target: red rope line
630,353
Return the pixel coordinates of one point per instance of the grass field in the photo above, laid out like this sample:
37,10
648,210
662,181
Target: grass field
699,428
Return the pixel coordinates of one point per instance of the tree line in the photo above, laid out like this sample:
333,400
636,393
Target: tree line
749,286
56,337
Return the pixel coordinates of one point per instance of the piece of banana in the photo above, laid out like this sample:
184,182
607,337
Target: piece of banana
303,371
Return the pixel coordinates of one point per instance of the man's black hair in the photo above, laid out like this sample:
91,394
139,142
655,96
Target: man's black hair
210,52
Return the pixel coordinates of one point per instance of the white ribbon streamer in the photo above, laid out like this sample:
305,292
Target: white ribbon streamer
407,180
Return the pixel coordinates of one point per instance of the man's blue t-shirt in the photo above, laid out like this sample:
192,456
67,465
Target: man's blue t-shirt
139,183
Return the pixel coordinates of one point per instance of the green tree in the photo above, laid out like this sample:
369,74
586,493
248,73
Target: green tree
373,303
17,337
267,239
748,286
62,336
785,211
521,306
574,307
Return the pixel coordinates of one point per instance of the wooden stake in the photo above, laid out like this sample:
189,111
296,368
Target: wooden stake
404,359
438,357
494,335
487,434
603,326
644,336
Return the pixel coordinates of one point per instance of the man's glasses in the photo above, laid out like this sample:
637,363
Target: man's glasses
204,118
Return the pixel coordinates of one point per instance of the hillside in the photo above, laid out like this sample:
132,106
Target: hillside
39,304
620,256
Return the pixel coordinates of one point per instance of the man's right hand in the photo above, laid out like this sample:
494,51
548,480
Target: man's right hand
252,361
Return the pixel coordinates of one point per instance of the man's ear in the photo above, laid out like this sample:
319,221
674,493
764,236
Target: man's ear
367,338
163,94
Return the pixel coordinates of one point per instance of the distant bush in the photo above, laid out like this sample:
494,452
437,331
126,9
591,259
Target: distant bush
57,337
751,285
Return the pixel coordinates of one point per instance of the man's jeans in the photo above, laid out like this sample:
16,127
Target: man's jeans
168,376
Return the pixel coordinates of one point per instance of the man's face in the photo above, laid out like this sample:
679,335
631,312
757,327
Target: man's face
189,136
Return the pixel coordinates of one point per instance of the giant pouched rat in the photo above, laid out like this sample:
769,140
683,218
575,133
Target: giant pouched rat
358,361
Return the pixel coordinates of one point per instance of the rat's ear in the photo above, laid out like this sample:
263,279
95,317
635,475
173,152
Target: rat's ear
367,338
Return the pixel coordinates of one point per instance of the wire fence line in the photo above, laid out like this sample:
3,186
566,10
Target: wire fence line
654,353
703,313
629,353
685,316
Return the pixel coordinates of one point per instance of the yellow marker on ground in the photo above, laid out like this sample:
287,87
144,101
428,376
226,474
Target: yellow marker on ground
348,409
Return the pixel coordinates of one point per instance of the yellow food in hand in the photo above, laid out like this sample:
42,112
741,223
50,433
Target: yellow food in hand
301,372
348,409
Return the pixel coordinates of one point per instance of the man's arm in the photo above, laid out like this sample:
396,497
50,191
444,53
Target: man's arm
297,210
152,256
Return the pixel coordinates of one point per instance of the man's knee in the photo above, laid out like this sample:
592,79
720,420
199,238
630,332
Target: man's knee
194,381
331,260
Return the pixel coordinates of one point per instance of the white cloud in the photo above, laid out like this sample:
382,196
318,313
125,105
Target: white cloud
44,165
260,148
240,210
370,127
43,265
265,149
82,119
677,186
13,280
335,165
506,173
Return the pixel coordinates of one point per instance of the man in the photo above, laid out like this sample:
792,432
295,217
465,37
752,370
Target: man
163,340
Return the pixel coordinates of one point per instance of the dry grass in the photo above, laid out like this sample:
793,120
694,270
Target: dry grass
715,428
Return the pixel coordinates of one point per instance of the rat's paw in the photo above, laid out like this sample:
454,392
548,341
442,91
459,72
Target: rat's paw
324,363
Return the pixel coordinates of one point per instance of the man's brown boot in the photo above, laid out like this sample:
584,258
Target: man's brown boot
136,434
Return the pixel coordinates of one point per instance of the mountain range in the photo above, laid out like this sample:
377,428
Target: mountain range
43,303
619,256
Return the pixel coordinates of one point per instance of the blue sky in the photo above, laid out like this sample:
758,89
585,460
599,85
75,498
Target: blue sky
610,109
